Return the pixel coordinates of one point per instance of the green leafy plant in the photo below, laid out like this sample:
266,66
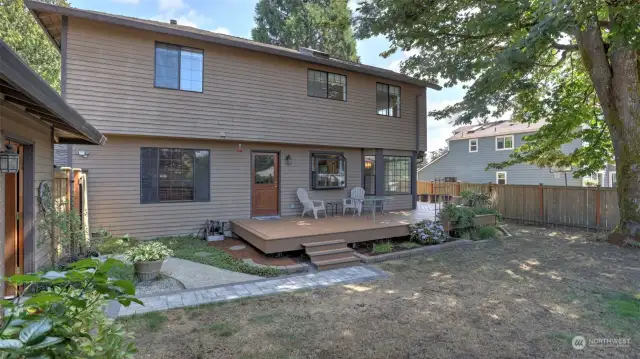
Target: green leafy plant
152,251
427,232
475,199
58,222
487,232
66,318
382,247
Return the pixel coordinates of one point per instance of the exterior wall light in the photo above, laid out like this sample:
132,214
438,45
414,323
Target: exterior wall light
288,160
9,160
368,165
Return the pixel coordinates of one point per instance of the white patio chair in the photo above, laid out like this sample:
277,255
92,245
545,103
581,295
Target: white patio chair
354,202
309,205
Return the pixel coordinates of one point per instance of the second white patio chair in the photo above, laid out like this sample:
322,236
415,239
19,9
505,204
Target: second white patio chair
309,205
354,202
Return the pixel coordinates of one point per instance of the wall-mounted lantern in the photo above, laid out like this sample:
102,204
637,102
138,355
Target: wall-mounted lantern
368,165
83,153
288,160
9,160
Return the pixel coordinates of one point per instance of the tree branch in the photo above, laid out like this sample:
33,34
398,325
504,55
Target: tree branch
565,47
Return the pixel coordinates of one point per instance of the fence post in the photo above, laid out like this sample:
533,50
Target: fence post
598,207
541,202
457,191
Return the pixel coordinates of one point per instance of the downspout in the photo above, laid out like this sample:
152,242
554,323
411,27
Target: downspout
414,162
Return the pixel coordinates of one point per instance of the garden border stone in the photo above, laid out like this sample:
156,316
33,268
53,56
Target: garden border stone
412,252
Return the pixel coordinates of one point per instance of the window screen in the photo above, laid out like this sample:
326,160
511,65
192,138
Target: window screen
397,175
178,67
173,174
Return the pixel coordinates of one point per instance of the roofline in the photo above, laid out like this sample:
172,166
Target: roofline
22,77
430,163
470,137
253,45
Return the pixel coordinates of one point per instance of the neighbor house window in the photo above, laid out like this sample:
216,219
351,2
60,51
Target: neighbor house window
501,177
328,171
326,85
370,175
173,174
613,180
473,145
387,100
397,175
504,143
178,67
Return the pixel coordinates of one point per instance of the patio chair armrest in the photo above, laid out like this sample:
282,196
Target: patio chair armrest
321,202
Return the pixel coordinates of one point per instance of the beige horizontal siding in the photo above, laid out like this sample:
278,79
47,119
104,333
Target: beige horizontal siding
247,95
16,122
114,184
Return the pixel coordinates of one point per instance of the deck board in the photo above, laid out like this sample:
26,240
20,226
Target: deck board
289,233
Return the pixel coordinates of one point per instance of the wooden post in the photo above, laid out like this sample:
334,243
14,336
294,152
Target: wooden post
457,191
541,202
598,207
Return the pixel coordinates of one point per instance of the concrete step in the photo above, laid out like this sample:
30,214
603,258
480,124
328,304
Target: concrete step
326,245
337,263
338,253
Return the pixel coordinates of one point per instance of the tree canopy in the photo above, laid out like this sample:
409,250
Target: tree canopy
21,32
570,63
323,25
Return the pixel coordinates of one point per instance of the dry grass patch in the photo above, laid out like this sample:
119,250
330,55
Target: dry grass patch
523,297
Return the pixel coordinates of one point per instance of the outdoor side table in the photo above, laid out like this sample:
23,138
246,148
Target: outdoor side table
334,206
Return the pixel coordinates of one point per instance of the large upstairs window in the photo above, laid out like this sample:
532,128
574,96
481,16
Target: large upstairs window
387,100
326,85
178,67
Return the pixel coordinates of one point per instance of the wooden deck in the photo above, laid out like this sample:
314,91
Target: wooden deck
289,233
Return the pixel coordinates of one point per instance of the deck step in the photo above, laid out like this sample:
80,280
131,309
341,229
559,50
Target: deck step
337,263
338,253
326,245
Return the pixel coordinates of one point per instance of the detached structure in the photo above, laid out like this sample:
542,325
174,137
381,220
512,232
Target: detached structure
33,117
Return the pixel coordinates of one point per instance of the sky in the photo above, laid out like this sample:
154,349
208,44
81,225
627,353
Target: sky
235,17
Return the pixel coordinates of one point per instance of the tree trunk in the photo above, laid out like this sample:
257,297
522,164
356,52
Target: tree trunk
616,80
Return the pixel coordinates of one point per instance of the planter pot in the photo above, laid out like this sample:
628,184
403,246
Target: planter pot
215,237
146,271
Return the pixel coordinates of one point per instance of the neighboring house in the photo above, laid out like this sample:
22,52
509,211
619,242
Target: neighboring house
208,126
33,117
472,148
604,178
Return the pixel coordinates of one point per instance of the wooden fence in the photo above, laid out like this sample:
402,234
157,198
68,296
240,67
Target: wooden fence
585,207
70,190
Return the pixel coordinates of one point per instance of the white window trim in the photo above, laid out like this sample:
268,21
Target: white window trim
473,139
513,143
506,181
611,173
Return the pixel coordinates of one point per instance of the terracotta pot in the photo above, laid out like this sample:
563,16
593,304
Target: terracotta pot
147,270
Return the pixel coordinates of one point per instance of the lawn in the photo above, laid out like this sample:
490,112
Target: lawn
522,297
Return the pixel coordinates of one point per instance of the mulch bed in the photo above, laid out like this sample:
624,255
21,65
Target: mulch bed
366,248
254,253
622,240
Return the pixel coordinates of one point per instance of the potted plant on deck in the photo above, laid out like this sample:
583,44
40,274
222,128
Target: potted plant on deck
147,259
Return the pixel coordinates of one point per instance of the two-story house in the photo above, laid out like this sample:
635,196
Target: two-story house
473,147
207,126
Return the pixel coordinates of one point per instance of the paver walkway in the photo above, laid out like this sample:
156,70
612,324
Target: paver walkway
248,289
197,275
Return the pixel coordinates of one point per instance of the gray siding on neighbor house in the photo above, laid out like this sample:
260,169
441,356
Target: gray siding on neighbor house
470,166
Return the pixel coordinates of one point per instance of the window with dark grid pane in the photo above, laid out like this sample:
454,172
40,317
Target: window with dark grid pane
397,175
179,67
370,175
174,174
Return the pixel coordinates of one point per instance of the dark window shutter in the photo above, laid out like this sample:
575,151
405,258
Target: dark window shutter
148,175
201,175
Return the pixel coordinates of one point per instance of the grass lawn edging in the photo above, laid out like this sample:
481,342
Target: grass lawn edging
289,269
412,252
500,228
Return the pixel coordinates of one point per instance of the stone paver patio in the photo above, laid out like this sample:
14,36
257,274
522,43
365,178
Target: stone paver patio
247,289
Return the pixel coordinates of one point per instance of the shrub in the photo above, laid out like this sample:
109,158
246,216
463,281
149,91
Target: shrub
382,247
475,199
57,221
114,245
487,232
66,319
427,232
152,251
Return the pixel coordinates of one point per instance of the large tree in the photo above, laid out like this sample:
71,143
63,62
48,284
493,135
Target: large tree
571,63
323,25
22,33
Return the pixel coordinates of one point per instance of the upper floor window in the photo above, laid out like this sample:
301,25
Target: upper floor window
387,100
173,174
326,85
178,67
473,145
504,143
328,171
